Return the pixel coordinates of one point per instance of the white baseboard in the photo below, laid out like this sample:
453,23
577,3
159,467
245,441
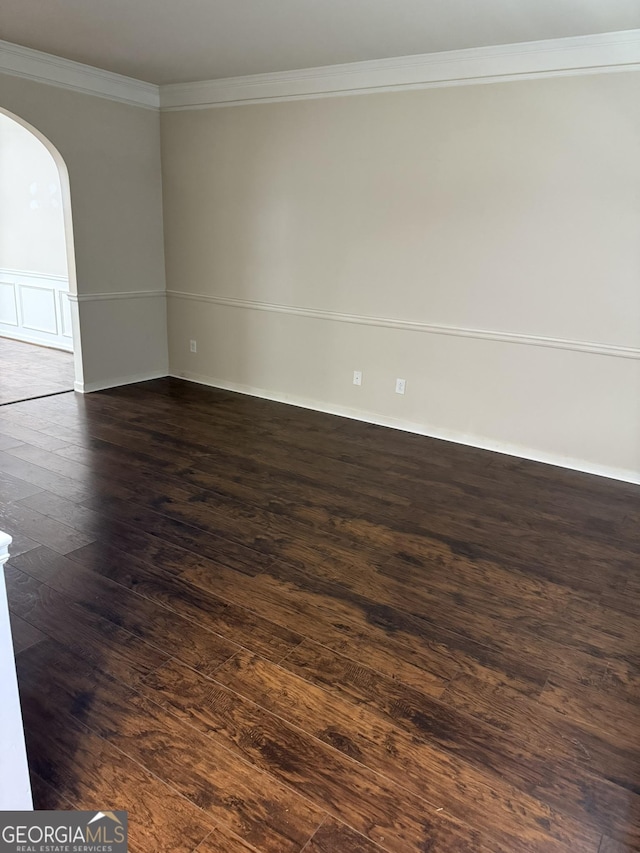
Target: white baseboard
482,443
88,387
33,339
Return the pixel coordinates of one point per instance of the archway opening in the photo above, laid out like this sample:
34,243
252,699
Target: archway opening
39,329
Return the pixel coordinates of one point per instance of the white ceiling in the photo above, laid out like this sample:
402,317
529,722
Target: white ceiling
172,41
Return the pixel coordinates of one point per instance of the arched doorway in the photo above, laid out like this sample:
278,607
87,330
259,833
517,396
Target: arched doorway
39,325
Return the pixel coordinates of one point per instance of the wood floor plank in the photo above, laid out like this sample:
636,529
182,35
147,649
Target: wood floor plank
12,435
223,841
476,623
254,805
24,634
350,792
275,596
34,475
594,708
29,369
375,634
438,775
7,441
47,797
95,775
405,538
570,765
110,647
14,489
336,517
244,555
608,845
622,680
50,461
334,835
469,613
190,598
156,625
74,515
378,624
47,531
20,543
506,531
235,623
510,711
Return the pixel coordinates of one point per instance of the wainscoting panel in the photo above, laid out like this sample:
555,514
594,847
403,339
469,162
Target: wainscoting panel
65,315
8,304
35,308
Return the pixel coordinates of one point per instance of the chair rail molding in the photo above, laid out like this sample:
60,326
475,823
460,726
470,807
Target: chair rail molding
413,326
117,295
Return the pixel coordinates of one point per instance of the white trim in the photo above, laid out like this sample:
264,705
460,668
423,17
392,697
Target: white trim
54,286
627,476
618,51
88,387
54,70
26,338
9,271
22,287
412,326
5,541
601,53
116,295
15,788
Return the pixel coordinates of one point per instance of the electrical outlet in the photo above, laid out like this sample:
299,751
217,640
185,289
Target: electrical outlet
193,346
357,377
400,386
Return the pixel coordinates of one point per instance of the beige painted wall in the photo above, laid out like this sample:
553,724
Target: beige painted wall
31,219
510,208
112,153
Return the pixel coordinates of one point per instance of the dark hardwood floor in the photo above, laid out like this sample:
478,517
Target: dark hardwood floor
261,628
27,371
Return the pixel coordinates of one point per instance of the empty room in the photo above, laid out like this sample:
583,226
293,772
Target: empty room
320,426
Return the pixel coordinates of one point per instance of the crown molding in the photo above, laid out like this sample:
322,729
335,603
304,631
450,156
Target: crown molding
618,51
577,55
31,64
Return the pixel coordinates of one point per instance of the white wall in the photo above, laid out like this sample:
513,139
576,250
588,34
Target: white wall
33,254
15,788
112,154
479,241
31,218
